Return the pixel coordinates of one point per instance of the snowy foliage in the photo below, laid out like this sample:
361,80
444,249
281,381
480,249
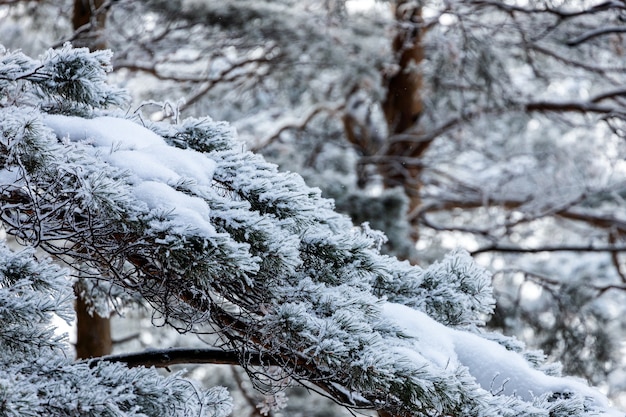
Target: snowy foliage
181,216
64,80
38,376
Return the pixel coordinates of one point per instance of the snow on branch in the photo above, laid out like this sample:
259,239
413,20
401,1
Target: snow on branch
494,367
76,77
37,376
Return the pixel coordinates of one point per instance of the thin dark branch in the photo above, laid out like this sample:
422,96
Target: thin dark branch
162,358
572,107
598,220
9,2
300,124
549,283
559,12
126,339
568,60
595,33
619,92
224,76
252,402
615,258
557,248
583,107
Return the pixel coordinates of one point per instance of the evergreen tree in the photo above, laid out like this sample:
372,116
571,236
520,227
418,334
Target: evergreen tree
499,123
216,239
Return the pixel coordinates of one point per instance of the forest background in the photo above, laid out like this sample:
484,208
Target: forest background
497,127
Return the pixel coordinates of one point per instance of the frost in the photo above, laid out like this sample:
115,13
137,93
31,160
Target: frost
189,212
275,402
154,168
210,234
108,133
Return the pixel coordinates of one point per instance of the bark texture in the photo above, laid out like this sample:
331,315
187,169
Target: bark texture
88,20
403,104
93,334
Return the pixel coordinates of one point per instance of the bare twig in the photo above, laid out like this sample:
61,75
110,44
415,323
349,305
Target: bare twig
615,258
555,248
559,12
252,402
300,124
595,33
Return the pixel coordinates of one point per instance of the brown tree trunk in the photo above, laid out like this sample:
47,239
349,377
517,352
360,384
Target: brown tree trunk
397,156
403,104
88,20
93,334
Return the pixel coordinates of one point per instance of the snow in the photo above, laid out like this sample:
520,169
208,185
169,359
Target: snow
187,210
154,167
8,176
103,132
128,145
495,368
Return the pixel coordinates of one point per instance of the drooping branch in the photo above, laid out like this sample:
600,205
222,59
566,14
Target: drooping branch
594,219
607,95
8,2
164,358
227,75
615,258
597,220
591,67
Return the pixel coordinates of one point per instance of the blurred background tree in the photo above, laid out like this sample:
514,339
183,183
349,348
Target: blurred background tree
496,126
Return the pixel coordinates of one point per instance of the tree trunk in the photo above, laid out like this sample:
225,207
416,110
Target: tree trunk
88,20
93,333
397,154
93,336
403,104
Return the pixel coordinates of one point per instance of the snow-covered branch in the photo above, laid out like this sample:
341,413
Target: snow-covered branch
181,216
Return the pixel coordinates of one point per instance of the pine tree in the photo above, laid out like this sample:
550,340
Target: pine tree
214,238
